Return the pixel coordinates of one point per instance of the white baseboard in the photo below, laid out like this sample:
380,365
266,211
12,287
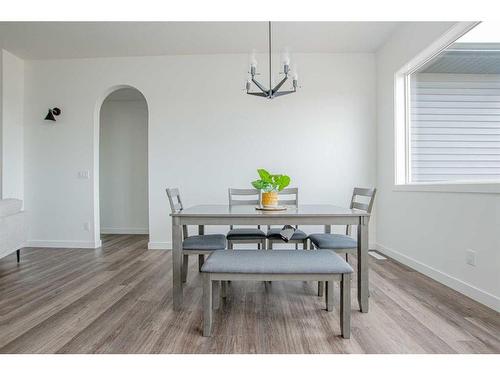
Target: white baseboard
64,244
159,245
470,291
124,230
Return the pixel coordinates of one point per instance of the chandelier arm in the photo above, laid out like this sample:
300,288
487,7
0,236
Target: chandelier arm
281,93
257,94
278,86
262,88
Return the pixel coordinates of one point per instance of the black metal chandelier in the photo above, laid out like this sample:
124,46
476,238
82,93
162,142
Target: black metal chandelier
271,92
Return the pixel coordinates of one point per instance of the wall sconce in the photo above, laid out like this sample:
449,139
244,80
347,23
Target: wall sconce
52,112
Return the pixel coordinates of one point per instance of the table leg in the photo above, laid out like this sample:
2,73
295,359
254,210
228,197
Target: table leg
201,257
177,263
363,266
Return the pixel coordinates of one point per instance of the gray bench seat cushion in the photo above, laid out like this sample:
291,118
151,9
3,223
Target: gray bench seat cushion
205,242
276,262
245,234
274,233
333,241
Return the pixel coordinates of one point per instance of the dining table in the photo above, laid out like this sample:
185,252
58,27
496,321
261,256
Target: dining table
307,214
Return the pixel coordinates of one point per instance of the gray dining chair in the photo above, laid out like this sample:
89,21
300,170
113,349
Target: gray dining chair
200,245
341,243
273,234
245,197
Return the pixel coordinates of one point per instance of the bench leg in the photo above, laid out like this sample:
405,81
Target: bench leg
185,264
321,287
207,305
201,260
345,306
329,295
18,254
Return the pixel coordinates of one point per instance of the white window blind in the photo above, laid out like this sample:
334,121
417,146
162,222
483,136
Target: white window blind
454,127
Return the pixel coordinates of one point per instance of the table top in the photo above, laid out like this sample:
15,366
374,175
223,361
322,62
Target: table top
305,210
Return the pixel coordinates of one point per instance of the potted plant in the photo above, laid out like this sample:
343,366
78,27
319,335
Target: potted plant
269,184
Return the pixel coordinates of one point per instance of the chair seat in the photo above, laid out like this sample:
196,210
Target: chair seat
245,234
333,241
276,262
205,242
274,233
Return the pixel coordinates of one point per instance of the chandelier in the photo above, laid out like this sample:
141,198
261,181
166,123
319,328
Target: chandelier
272,92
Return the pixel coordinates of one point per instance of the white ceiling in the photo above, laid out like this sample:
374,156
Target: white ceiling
54,40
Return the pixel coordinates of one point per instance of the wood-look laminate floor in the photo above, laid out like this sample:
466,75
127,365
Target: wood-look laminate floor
118,299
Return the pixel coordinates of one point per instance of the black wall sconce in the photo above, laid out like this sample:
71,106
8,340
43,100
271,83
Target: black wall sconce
52,112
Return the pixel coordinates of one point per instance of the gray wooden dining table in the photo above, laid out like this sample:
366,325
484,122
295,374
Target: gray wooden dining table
309,214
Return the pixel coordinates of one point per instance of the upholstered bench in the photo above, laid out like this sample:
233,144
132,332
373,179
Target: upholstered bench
266,265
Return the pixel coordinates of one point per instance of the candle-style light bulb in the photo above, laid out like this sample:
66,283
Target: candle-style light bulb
253,63
285,57
253,68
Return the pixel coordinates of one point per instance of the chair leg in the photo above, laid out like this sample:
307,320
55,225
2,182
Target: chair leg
201,260
207,305
345,306
185,264
230,245
18,254
347,257
321,287
216,294
297,246
329,295
223,289
270,245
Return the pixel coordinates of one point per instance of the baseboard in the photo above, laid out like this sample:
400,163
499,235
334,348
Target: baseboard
470,291
159,245
124,231
64,244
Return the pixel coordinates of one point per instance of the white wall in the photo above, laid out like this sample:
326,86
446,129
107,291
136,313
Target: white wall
204,134
430,231
123,165
12,149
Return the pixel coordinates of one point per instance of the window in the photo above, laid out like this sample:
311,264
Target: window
451,116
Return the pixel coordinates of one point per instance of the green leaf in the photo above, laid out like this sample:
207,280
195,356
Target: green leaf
258,184
283,182
264,175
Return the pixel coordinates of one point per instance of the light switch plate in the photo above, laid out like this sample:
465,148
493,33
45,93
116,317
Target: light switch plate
470,257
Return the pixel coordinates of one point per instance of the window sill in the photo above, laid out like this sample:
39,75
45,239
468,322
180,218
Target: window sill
478,188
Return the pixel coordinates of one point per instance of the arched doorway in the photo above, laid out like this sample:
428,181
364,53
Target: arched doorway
122,164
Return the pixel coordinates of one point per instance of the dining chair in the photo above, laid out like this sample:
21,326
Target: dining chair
201,245
245,197
273,234
341,243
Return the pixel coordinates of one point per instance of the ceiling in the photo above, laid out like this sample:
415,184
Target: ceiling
466,58
56,40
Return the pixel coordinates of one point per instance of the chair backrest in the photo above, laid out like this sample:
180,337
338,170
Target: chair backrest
289,201
243,197
288,197
362,206
174,197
